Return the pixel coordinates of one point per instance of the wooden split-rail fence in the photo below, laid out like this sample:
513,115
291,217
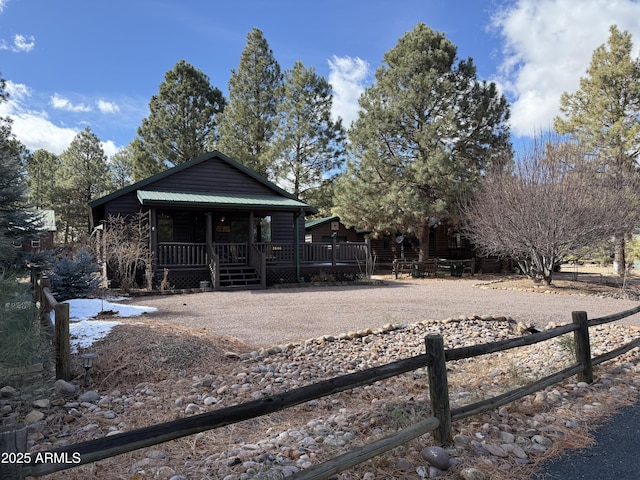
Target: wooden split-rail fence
59,330
440,423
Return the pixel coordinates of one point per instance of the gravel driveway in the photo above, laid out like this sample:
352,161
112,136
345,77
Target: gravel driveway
275,316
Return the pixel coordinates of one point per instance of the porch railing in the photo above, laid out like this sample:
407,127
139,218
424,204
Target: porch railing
277,253
258,261
179,254
231,253
175,254
316,252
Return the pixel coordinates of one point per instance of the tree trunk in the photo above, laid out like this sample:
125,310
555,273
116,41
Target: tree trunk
619,259
423,236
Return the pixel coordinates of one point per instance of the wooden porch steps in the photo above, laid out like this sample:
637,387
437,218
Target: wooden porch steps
239,276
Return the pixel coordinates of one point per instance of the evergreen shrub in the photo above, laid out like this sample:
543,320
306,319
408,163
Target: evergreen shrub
74,278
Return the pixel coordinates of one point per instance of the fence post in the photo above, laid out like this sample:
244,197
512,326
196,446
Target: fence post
63,348
583,346
45,308
13,443
439,389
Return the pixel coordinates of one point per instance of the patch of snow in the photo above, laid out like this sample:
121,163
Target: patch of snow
84,331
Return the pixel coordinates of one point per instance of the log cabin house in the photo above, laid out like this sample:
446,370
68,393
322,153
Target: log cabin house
215,220
44,238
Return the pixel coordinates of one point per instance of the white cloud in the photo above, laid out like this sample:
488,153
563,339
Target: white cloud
60,103
33,127
547,48
347,76
107,107
109,148
21,43
3,3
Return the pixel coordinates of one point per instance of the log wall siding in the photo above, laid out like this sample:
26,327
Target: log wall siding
125,205
213,176
282,227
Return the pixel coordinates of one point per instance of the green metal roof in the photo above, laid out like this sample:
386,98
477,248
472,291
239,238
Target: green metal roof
45,218
147,197
318,221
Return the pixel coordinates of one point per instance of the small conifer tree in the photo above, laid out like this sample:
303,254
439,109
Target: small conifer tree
75,278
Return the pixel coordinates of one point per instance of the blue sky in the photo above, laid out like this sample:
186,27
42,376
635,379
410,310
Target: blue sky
74,63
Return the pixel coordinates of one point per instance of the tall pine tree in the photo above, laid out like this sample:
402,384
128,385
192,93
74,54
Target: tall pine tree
16,224
121,167
84,176
182,121
311,143
426,130
603,114
41,178
249,123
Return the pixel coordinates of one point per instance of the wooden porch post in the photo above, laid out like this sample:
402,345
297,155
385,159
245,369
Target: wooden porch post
296,242
250,242
153,241
209,235
334,246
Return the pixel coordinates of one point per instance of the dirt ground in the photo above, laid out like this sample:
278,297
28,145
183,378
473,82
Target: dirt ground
281,315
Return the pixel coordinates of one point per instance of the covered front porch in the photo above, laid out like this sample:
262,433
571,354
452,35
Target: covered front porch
237,247
257,264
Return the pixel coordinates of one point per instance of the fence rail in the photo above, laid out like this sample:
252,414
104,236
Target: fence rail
434,359
47,303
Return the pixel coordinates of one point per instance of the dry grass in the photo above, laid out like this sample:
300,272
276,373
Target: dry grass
142,351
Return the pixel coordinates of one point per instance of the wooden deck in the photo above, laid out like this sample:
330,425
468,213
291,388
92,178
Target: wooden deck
190,263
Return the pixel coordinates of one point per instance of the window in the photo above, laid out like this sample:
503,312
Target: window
262,229
199,229
165,228
35,243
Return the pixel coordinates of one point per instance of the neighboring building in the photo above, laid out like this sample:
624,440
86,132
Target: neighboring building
324,229
214,219
46,220
444,243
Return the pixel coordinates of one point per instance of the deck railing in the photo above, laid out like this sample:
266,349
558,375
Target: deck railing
259,262
334,252
231,253
314,252
277,253
177,254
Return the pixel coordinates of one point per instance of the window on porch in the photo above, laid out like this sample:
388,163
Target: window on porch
165,227
262,229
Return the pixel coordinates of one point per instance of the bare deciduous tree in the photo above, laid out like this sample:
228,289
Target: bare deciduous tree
126,248
552,203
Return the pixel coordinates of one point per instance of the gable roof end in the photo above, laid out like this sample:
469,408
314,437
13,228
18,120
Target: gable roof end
190,163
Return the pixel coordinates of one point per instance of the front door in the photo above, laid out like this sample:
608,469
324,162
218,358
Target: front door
232,228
